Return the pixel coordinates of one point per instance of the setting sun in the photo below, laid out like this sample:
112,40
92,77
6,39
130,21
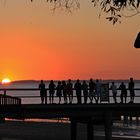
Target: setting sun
6,81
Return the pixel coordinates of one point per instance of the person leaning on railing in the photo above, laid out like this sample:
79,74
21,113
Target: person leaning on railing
85,91
91,90
42,91
51,91
114,91
59,91
64,91
131,85
70,91
123,94
78,89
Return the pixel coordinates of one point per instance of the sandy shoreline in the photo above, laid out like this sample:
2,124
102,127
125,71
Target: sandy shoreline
42,131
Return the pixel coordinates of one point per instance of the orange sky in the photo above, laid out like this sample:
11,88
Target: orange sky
37,44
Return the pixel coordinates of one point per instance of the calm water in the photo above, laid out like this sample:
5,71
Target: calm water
34,84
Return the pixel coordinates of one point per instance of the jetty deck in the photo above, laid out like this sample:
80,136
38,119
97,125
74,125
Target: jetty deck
90,114
69,110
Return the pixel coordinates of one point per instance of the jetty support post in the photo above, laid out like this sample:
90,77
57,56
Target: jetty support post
90,131
108,126
73,129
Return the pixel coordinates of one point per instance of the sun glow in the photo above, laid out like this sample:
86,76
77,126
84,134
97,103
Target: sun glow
6,81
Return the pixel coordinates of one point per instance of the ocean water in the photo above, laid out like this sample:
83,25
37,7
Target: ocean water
33,96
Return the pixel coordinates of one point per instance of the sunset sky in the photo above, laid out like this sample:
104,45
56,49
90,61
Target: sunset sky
38,44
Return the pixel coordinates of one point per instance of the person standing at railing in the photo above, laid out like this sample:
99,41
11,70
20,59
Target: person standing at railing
131,85
85,91
97,90
59,91
123,89
64,91
51,91
70,91
42,91
91,90
114,91
78,89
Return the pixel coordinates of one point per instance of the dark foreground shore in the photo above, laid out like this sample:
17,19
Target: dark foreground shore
20,130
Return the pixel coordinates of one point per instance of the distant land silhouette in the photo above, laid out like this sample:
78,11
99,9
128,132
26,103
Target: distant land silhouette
25,81
106,80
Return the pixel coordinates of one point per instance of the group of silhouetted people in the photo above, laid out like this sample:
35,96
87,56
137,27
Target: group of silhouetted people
124,91
88,90
65,89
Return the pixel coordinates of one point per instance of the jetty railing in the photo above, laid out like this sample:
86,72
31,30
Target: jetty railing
6,99
9,100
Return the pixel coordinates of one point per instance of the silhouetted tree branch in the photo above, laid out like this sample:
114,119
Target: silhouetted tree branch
114,9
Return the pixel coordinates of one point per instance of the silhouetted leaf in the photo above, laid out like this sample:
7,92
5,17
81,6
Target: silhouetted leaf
109,18
133,5
108,10
119,15
138,3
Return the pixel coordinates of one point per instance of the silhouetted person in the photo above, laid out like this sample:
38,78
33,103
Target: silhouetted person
114,91
97,90
85,91
123,92
91,90
42,91
64,91
131,90
137,41
51,91
78,88
59,91
70,90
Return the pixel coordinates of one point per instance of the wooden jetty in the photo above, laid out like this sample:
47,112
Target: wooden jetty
90,114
